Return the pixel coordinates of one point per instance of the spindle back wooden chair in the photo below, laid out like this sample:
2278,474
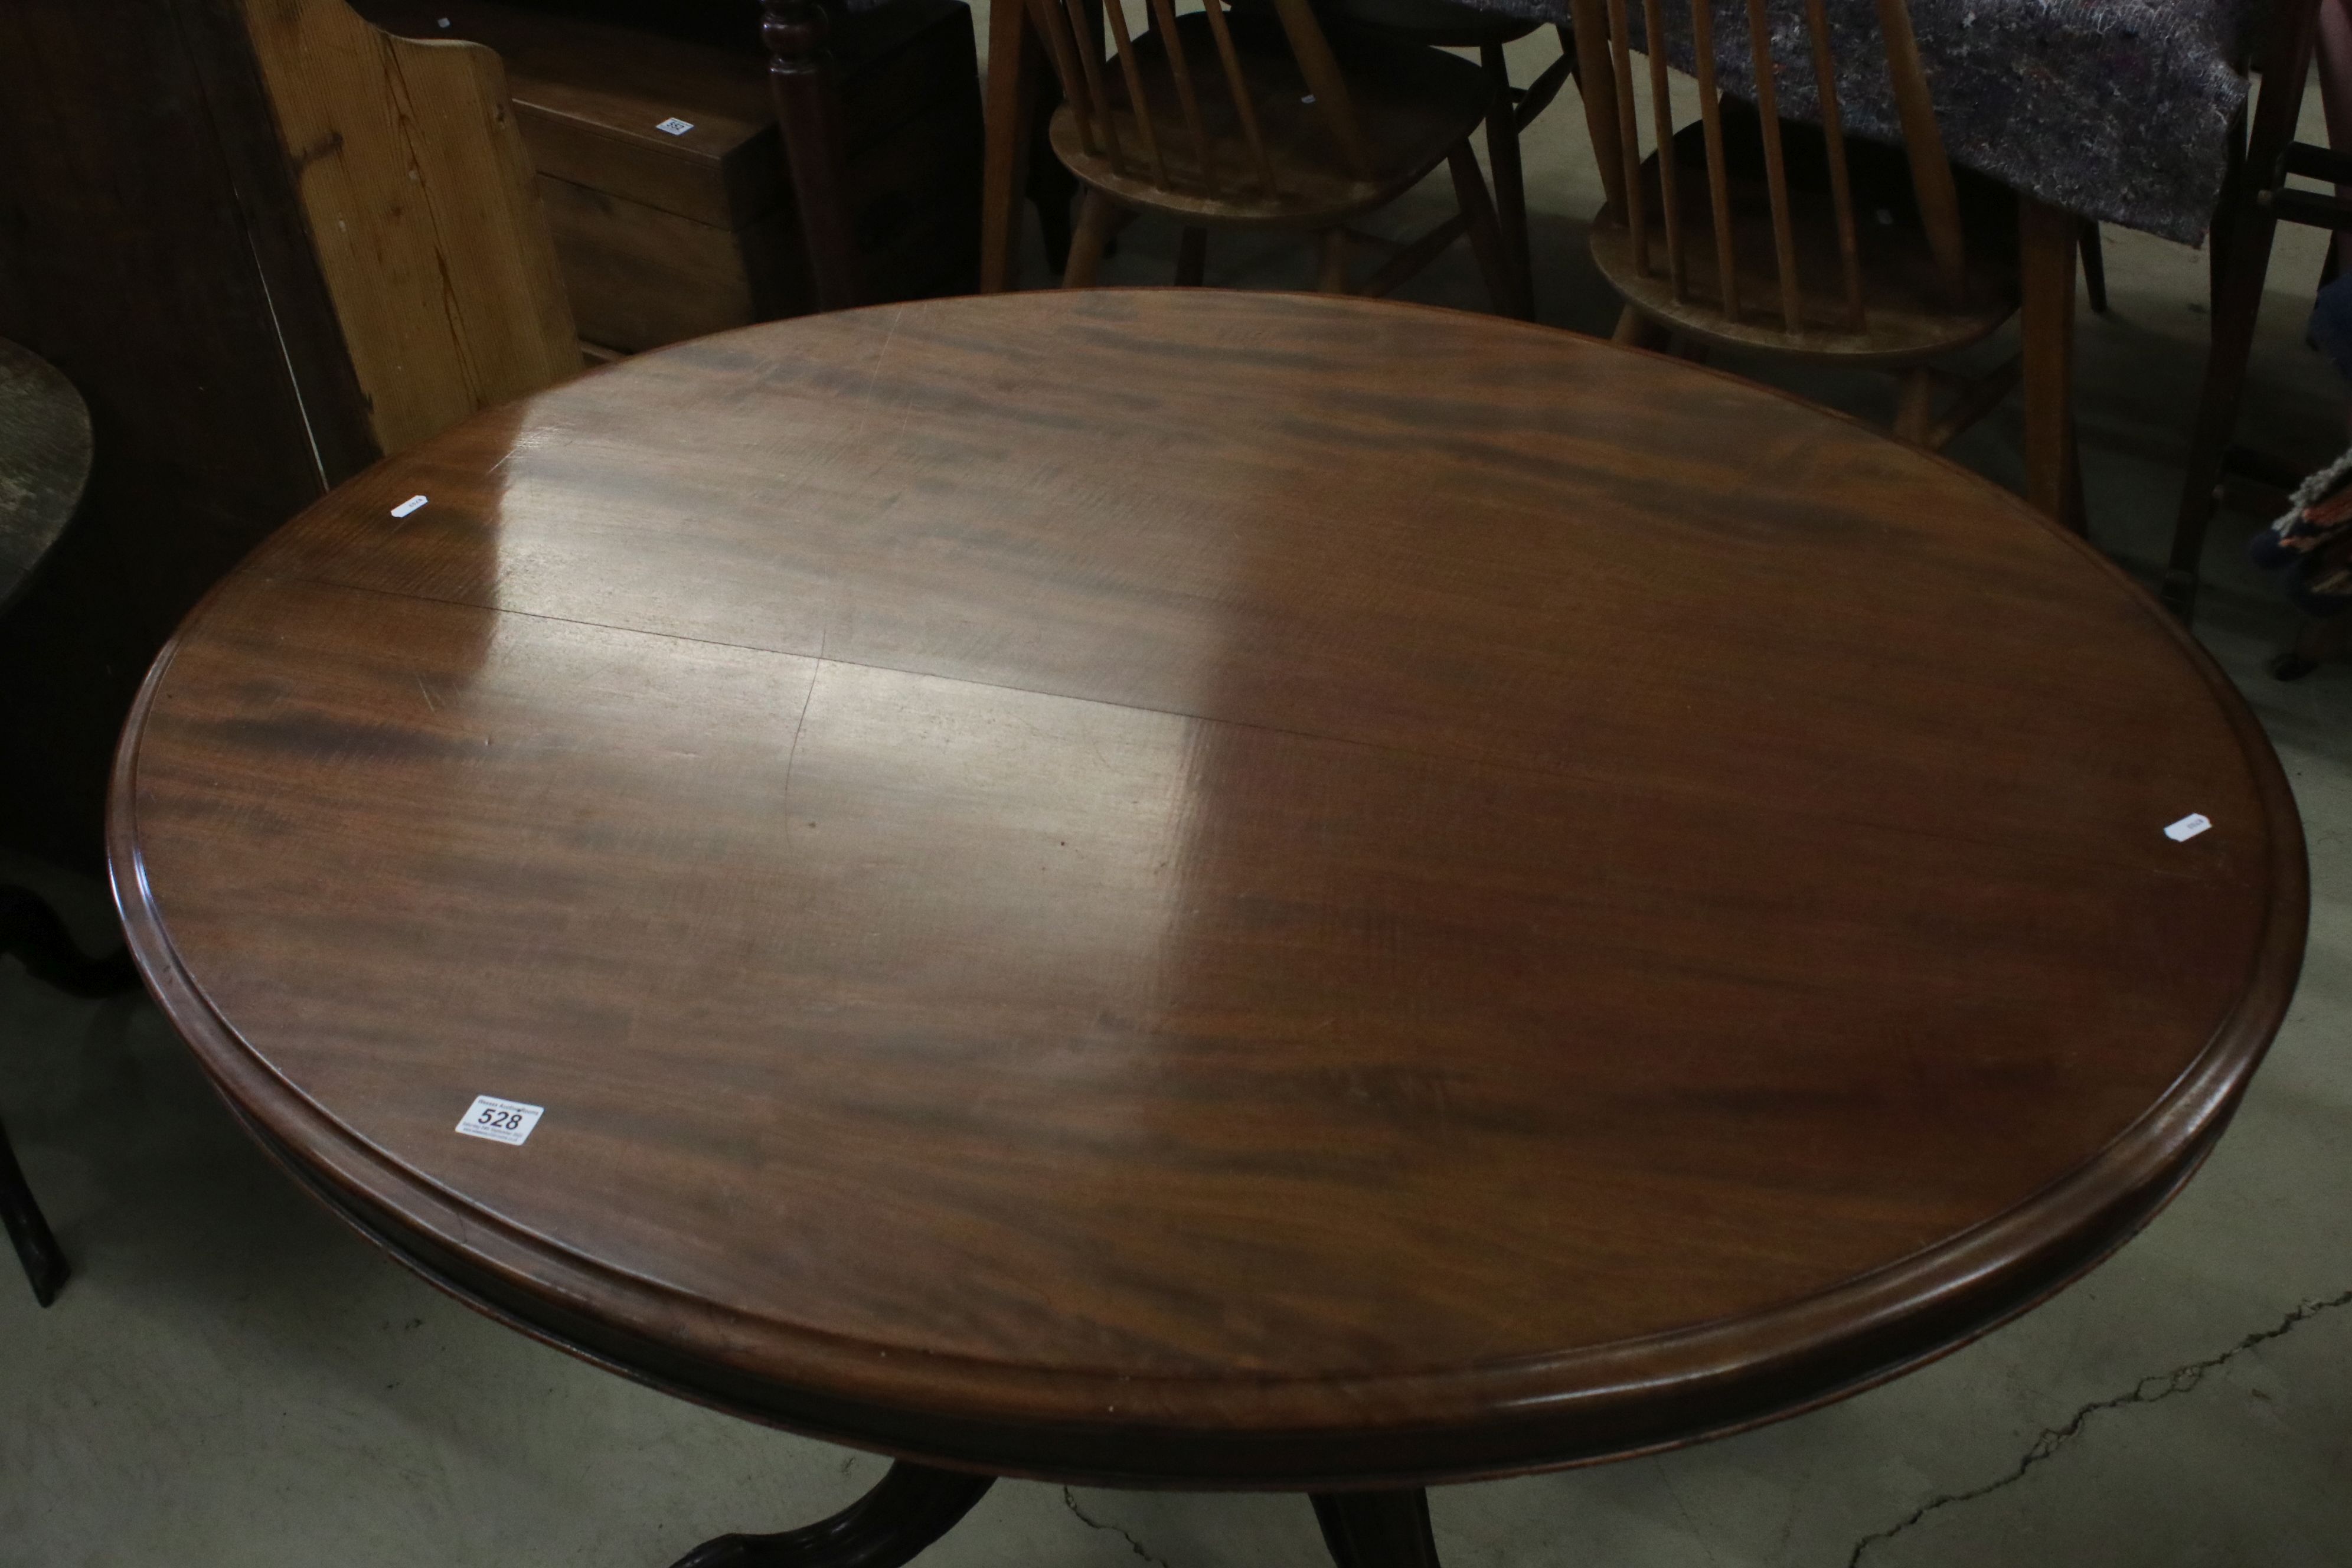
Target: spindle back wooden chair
1746,230
1456,24
1251,118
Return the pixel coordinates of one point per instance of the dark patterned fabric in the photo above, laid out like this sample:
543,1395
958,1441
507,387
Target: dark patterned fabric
2118,109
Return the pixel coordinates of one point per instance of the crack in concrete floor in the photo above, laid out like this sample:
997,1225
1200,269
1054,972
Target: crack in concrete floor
1091,1522
2150,1390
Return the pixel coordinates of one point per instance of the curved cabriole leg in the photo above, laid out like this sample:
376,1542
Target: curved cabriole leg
1377,1530
908,1510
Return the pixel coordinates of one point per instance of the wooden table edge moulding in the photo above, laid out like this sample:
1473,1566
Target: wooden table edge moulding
1363,1446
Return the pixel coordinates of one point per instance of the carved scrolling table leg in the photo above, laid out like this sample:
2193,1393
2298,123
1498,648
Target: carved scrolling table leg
1377,1530
906,1510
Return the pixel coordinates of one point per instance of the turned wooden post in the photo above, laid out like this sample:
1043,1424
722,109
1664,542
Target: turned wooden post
802,77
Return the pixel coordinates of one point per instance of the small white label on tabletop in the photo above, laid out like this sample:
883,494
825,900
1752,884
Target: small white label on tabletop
500,1120
1308,99
676,126
2188,828
411,504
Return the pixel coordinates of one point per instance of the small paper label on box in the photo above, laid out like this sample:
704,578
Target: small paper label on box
500,1120
2188,828
411,504
676,126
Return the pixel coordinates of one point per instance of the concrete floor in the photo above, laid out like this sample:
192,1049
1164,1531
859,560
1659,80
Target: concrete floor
234,1380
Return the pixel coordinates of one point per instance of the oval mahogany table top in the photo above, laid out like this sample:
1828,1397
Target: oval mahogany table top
1186,888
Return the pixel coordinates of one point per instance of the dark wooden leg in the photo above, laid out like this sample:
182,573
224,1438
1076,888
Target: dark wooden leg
1636,330
1510,183
1098,217
1915,405
43,1261
1192,257
30,930
1012,74
909,1508
1051,185
802,77
2046,236
2077,515
1567,36
2242,264
2317,642
1485,239
2225,209
2095,266
1377,1530
1331,262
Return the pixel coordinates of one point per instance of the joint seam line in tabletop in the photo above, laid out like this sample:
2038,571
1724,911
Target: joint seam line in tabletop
1385,748
2150,1390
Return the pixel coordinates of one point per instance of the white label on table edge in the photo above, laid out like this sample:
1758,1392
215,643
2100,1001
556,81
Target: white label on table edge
676,126
411,504
2188,828
500,1120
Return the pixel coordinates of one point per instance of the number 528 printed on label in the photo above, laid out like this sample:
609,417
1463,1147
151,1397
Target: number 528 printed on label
502,1120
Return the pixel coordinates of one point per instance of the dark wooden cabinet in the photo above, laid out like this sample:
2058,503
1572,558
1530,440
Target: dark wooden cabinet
664,176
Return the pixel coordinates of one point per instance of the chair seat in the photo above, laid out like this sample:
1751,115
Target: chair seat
1908,314
1415,103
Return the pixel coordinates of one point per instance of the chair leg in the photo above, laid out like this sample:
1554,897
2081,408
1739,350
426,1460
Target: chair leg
1331,268
1096,215
1485,239
1636,330
2317,641
2077,515
2095,265
1054,190
1510,183
2225,208
1192,257
1016,64
2046,240
2241,265
37,1248
1915,405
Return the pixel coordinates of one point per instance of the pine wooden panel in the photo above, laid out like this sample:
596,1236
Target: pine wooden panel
420,203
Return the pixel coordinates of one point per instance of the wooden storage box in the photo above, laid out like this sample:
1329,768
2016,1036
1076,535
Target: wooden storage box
666,233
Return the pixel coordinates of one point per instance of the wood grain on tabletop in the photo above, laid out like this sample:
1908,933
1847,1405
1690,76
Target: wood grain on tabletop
1191,885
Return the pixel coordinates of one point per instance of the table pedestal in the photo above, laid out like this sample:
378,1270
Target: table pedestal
914,1505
